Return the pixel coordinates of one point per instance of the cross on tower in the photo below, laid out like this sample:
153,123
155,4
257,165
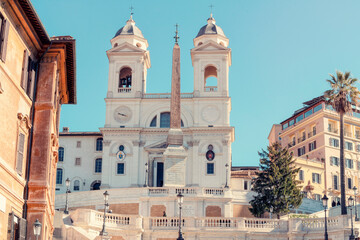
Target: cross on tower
176,33
131,10
211,9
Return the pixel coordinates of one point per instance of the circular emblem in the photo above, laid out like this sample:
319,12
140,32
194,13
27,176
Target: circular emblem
210,114
120,155
210,155
210,147
122,114
121,147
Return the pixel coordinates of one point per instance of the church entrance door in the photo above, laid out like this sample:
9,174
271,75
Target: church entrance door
160,174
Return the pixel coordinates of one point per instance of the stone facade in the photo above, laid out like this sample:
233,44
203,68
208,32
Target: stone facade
36,77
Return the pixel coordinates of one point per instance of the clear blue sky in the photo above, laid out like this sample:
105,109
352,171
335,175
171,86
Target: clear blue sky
282,52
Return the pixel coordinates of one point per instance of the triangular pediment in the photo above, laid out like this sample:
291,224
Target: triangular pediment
126,48
157,145
209,46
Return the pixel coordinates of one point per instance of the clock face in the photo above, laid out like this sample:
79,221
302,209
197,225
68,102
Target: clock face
122,114
210,114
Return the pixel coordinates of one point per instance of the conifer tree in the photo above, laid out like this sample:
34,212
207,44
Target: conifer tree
275,185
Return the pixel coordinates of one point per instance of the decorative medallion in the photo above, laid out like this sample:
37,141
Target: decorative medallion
210,114
210,155
120,155
122,114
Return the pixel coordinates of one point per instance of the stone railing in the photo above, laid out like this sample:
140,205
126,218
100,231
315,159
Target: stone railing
124,90
194,191
166,95
211,89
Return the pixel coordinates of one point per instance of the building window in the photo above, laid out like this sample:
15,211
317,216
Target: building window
349,146
334,161
4,33
77,161
120,168
301,151
99,144
164,120
317,197
358,147
210,78
246,185
291,122
210,168
76,185
20,153
308,113
317,108
336,182
125,78
316,178
59,176
301,175
98,165
153,122
299,118
78,144
349,163
358,166
312,146
61,154
334,142
349,180
285,126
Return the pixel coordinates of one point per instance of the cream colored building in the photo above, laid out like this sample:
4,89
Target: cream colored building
312,132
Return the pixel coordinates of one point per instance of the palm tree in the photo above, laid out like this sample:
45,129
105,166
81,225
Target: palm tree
342,96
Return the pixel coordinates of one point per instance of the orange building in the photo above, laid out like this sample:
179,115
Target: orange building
312,134
37,75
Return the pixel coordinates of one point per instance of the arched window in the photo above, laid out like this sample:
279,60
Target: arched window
210,78
125,79
98,165
59,176
76,185
164,120
61,154
95,185
99,144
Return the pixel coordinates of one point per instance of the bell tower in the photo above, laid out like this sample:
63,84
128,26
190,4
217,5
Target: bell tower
129,60
211,59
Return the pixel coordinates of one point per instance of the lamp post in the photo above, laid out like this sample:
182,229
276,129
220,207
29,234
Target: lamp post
351,204
146,173
180,199
325,205
67,183
37,228
106,205
271,211
355,196
227,173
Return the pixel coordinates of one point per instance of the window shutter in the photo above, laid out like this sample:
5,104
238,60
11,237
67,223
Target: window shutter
4,41
309,147
314,144
330,141
331,161
20,155
24,74
319,178
31,79
299,152
11,226
313,177
22,232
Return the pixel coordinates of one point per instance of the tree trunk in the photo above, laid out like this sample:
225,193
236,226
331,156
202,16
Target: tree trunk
342,167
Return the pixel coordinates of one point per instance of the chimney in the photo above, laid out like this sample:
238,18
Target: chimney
65,129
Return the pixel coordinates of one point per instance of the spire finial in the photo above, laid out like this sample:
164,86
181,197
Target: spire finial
131,11
211,10
176,33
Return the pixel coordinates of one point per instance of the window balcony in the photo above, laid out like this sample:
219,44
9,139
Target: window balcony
357,136
291,144
347,134
332,130
310,134
301,139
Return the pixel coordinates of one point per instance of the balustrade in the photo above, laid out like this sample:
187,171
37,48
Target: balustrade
124,90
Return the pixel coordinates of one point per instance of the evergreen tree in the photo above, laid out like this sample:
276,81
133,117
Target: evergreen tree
275,184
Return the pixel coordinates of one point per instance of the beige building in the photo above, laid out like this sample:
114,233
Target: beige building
312,133
37,75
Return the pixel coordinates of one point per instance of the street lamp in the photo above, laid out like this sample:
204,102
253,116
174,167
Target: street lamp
351,204
37,228
67,183
271,211
227,172
146,173
325,205
355,196
180,199
106,206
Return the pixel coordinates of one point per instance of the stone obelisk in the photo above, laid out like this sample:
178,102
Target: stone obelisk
175,154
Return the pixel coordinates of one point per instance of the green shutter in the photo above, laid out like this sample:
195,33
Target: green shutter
20,153
4,39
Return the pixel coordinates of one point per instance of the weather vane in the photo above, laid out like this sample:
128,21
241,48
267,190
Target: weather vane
131,10
176,34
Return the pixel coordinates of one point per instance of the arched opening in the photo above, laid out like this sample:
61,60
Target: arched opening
125,79
164,120
76,185
200,43
210,78
99,144
95,185
115,45
138,45
222,44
